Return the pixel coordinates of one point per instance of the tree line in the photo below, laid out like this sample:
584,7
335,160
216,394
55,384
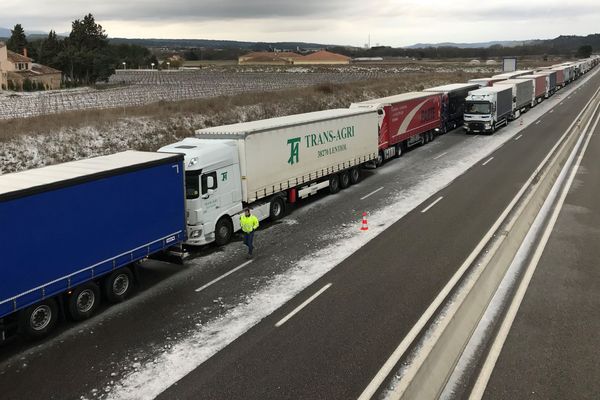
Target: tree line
85,56
567,46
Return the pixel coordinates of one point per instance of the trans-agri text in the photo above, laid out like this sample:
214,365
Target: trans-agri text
319,139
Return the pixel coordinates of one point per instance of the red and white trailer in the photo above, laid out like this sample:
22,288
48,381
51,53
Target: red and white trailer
405,120
541,86
560,77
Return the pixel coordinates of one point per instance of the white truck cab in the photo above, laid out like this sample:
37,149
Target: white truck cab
213,188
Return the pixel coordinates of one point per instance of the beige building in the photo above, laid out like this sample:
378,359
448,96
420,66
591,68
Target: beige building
323,57
15,69
289,58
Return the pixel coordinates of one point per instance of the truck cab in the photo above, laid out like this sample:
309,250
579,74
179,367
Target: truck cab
488,108
213,187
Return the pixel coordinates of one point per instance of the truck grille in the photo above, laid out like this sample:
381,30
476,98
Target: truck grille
477,126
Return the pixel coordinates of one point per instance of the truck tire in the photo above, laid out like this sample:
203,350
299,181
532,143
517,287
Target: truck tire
223,231
354,175
399,150
344,179
39,319
334,184
83,301
118,285
379,160
277,208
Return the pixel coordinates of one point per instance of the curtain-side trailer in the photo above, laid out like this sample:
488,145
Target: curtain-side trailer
405,120
73,233
453,103
268,164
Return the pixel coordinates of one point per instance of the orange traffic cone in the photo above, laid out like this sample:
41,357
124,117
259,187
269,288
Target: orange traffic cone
365,226
521,122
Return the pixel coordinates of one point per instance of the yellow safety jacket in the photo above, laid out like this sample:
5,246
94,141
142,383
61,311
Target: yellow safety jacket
248,224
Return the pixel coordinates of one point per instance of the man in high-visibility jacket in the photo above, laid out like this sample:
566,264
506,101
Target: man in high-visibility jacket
249,224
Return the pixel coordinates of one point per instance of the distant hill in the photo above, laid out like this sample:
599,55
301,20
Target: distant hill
478,45
216,44
5,33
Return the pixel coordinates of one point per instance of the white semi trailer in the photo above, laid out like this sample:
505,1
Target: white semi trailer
268,164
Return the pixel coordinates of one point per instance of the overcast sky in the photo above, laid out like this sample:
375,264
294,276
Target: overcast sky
347,22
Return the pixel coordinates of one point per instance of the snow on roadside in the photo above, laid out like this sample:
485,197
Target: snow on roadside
154,377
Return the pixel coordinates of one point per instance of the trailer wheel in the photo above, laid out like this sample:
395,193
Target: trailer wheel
398,150
379,160
277,208
223,231
431,136
344,179
83,301
38,320
354,175
118,285
334,184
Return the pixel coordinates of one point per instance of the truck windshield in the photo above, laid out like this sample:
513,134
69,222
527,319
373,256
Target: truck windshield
192,184
477,108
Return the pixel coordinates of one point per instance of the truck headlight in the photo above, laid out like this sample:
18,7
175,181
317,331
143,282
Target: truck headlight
196,234
488,126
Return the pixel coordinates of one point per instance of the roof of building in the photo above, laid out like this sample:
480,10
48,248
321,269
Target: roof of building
44,69
16,57
324,55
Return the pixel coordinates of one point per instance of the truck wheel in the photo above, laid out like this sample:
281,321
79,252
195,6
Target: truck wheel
277,208
399,150
379,160
223,231
118,285
83,301
334,184
344,179
354,175
38,320
431,136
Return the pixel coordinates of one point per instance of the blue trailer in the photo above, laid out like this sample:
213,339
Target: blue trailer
73,233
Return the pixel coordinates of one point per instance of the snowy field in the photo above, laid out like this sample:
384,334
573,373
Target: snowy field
137,88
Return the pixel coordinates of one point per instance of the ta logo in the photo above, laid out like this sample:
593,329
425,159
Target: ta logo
294,150
223,176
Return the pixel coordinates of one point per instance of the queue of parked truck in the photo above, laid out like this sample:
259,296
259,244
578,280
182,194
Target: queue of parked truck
74,233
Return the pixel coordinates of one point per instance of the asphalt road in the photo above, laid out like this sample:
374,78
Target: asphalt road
552,350
335,345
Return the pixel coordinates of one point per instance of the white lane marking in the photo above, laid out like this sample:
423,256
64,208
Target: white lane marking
372,193
569,97
518,137
488,160
498,344
440,155
410,337
301,306
562,103
538,122
223,276
551,111
432,204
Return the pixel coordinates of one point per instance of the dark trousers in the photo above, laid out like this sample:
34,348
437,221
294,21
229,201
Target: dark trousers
248,241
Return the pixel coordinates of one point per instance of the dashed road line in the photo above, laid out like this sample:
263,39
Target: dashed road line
432,204
488,160
301,306
201,288
372,193
440,155
518,137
